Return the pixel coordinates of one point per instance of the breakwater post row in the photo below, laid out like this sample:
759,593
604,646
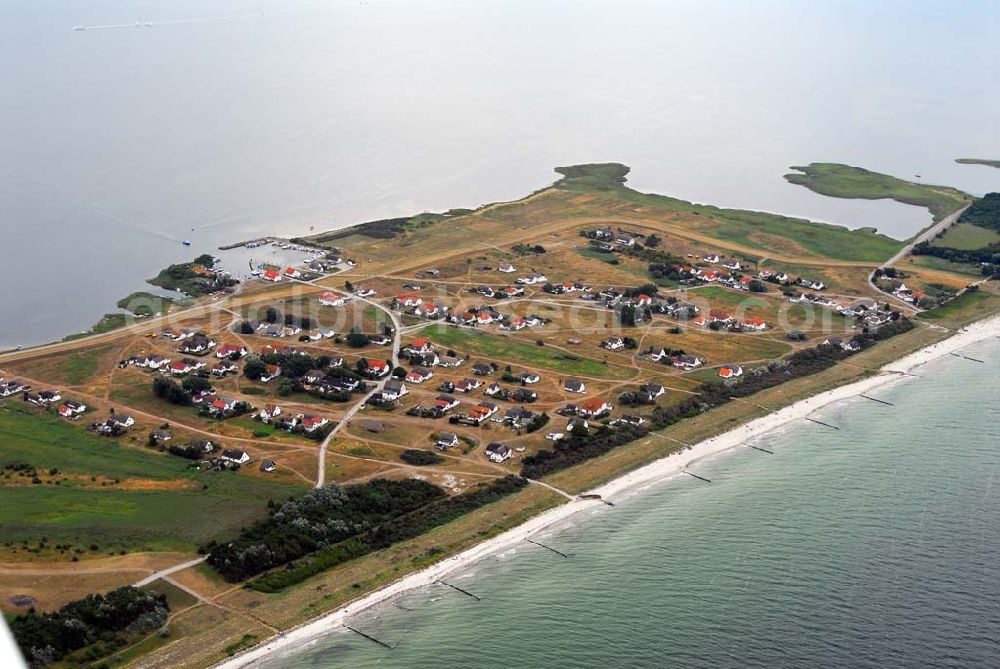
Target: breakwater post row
370,638
547,548
700,478
819,422
464,592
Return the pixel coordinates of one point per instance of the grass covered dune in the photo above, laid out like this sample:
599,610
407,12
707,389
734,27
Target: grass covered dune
844,181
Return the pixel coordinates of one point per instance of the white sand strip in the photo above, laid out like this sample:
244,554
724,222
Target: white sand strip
655,471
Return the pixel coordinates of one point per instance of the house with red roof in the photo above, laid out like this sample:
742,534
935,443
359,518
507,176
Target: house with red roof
328,299
271,275
731,372
594,407
293,273
229,350
313,423
409,300
270,372
719,316
419,345
376,368
418,375
180,367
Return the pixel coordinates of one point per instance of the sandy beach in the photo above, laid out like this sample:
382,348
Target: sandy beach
657,471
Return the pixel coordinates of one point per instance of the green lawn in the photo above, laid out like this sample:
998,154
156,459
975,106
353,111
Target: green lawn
967,237
143,303
726,297
79,367
934,262
590,252
963,309
505,349
212,505
844,181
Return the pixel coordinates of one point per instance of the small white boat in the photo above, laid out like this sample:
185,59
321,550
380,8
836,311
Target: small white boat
186,242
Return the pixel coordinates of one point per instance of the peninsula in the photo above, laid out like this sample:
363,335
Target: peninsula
430,388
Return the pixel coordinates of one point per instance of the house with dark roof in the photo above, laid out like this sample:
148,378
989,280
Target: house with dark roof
498,452
394,389
370,425
234,456
446,440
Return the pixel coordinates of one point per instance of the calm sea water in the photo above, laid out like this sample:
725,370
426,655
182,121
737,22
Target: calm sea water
872,546
225,120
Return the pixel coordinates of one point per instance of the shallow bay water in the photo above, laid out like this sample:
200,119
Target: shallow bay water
222,121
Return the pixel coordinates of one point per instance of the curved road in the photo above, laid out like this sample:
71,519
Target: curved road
396,328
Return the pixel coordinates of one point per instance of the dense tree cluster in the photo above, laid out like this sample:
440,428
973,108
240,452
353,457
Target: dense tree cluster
171,391
577,448
984,213
45,638
397,529
321,517
415,456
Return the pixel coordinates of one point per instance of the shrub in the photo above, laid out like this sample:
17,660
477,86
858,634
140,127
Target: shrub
415,456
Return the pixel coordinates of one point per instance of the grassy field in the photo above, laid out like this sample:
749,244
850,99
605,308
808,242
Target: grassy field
966,236
142,303
965,308
503,349
151,507
933,262
756,230
844,181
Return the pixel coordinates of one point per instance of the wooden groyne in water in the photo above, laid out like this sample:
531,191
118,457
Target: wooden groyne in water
593,496
819,422
464,592
875,399
370,638
547,548
700,478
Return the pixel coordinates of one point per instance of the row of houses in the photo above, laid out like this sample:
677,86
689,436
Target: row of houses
274,415
612,238
728,321
501,293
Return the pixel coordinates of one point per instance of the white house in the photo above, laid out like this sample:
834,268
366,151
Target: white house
328,299
498,452
613,343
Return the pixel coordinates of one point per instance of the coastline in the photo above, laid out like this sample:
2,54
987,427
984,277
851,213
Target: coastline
654,472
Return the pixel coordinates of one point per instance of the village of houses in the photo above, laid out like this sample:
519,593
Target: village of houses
500,354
